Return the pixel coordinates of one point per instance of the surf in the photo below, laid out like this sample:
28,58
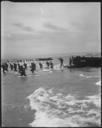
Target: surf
59,110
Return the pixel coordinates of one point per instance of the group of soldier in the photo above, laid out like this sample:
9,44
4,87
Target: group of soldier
21,66
14,66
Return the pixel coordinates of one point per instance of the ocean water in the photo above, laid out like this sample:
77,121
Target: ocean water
71,98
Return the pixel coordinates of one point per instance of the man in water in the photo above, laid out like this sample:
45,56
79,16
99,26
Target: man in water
19,67
51,65
61,63
33,67
11,66
22,70
4,68
15,67
47,63
70,61
41,66
25,65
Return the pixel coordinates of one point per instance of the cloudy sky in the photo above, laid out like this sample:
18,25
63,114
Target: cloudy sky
32,29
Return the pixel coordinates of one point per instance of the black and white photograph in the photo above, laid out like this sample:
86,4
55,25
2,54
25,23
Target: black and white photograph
51,64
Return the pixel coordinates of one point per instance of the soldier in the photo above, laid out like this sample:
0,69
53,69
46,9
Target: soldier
51,65
19,66
70,61
33,67
3,67
6,67
22,70
25,65
11,66
47,63
15,67
41,66
61,63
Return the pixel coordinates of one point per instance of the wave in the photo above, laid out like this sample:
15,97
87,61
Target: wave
59,110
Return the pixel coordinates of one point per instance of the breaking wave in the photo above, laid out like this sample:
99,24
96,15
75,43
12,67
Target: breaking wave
59,110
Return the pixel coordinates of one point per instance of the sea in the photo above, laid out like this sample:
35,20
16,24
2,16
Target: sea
58,98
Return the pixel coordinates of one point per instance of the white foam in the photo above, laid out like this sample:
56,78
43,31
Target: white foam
82,75
58,110
46,70
98,83
96,99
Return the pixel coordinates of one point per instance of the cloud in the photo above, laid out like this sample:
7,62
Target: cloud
23,27
61,27
23,37
53,27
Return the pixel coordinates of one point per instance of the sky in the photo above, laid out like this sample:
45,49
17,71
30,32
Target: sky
35,29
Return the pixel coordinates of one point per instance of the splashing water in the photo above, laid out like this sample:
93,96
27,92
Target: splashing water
58,110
